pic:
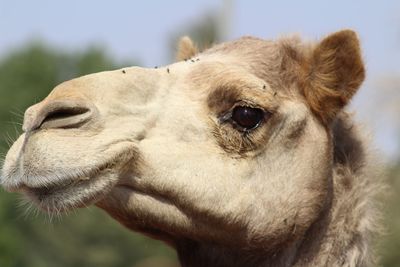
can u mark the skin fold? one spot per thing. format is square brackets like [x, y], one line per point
[173, 153]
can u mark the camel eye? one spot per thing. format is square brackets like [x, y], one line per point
[246, 117]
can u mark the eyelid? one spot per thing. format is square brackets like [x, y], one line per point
[227, 116]
[245, 103]
[251, 104]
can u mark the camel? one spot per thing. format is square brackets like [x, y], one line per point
[239, 155]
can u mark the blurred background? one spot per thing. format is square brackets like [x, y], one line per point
[43, 43]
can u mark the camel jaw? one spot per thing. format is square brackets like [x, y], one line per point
[69, 192]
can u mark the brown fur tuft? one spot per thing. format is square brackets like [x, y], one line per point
[334, 73]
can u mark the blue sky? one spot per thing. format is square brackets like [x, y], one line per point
[141, 30]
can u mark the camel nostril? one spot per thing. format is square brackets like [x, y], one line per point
[64, 113]
[57, 114]
[66, 117]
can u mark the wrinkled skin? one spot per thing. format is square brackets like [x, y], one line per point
[154, 148]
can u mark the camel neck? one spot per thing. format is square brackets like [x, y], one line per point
[334, 239]
[299, 253]
[195, 254]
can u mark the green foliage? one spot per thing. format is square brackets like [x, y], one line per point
[87, 237]
[204, 33]
[390, 247]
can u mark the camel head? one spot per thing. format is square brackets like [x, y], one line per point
[231, 146]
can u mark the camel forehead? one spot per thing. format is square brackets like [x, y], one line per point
[254, 50]
[274, 61]
[252, 55]
[241, 45]
[247, 55]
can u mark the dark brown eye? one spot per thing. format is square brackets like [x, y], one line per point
[246, 117]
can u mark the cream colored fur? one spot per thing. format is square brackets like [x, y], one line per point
[150, 148]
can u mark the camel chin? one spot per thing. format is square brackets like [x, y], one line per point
[76, 192]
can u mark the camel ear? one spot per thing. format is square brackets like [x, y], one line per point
[186, 49]
[334, 74]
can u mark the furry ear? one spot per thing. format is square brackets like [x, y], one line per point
[186, 49]
[334, 73]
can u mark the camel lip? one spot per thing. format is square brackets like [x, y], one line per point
[48, 190]
[53, 186]
[22, 187]
[56, 197]
[45, 196]
[62, 191]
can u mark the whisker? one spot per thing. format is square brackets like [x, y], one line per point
[17, 133]
[9, 140]
[14, 123]
[17, 113]
[36, 211]
[27, 207]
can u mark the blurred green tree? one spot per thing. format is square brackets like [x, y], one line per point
[87, 237]
[390, 243]
[208, 30]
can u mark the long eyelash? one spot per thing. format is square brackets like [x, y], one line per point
[225, 117]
